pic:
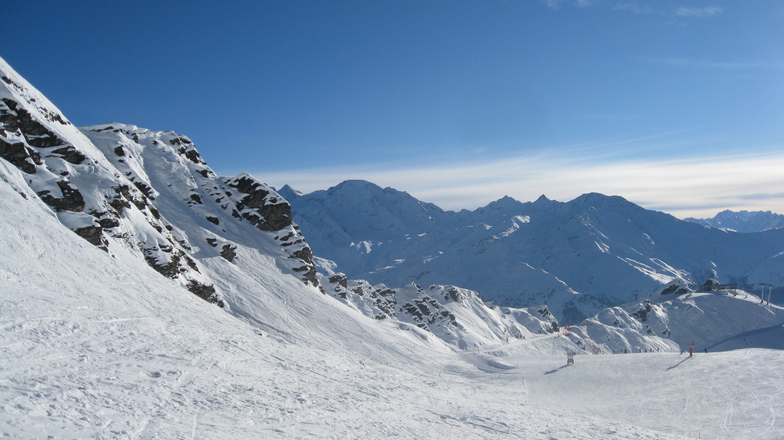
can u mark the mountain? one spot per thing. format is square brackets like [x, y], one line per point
[143, 296]
[149, 194]
[743, 221]
[577, 257]
[712, 317]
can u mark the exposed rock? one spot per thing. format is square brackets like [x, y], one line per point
[34, 132]
[70, 154]
[270, 214]
[205, 292]
[229, 252]
[339, 279]
[144, 188]
[72, 199]
[21, 156]
[642, 314]
[710, 285]
[677, 287]
[93, 234]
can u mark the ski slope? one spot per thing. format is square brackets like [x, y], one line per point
[728, 395]
[99, 347]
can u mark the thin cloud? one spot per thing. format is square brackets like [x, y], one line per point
[556, 4]
[709, 64]
[635, 8]
[706, 11]
[695, 187]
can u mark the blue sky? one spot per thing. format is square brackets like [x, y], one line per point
[676, 105]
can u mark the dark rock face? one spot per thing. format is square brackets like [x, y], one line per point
[29, 140]
[710, 285]
[93, 234]
[267, 215]
[453, 294]
[339, 279]
[70, 154]
[72, 199]
[205, 292]
[21, 156]
[642, 314]
[306, 255]
[34, 132]
[675, 288]
[229, 252]
[169, 268]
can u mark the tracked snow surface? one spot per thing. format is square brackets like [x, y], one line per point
[95, 346]
[145, 297]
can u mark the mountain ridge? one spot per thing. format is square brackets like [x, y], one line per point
[114, 235]
[149, 194]
[743, 221]
[578, 257]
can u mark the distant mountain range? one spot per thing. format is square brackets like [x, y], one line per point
[148, 195]
[577, 257]
[743, 221]
[114, 234]
[504, 272]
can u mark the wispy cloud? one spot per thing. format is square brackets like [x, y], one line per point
[705, 11]
[698, 187]
[709, 64]
[678, 16]
[635, 8]
[556, 4]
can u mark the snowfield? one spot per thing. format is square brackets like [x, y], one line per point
[144, 297]
[102, 347]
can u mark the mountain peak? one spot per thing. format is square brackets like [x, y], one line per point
[355, 185]
[289, 193]
[542, 199]
[743, 221]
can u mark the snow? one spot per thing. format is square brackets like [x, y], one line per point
[96, 344]
[743, 221]
[101, 347]
[604, 248]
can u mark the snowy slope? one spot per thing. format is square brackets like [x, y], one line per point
[743, 221]
[457, 316]
[89, 195]
[577, 257]
[101, 337]
[714, 320]
[227, 239]
[101, 346]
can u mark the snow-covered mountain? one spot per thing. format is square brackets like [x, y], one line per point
[110, 230]
[743, 221]
[101, 346]
[130, 190]
[711, 318]
[578, 257]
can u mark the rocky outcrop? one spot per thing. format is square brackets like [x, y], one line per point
[259, 206]
[455, 315]
[90, 196]
[250, 200]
